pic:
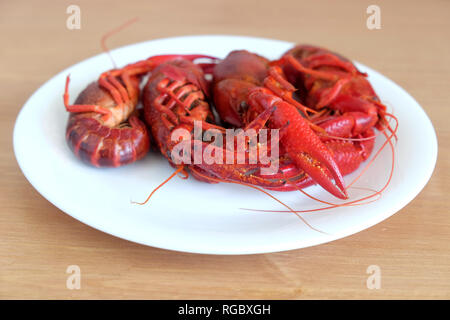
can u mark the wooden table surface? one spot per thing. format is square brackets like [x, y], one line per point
[38, 241]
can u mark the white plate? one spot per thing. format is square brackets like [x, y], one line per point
[191, 216]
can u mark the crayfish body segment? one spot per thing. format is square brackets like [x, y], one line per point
[252, 83]
[175, 97]
[104, 130]
[104, 127]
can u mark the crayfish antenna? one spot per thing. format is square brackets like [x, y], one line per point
[388, 140]
[112, 32]
[180, 169]
[360, 200]
[263, 191]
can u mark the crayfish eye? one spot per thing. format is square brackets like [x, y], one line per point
[243, 106]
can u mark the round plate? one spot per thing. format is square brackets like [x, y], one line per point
[191, 216]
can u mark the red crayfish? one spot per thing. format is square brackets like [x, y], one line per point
[104, 128]
[322, 105]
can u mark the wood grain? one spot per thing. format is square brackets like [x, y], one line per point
[38, 241]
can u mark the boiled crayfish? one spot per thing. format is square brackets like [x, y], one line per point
[323, 107]
[104, 127]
